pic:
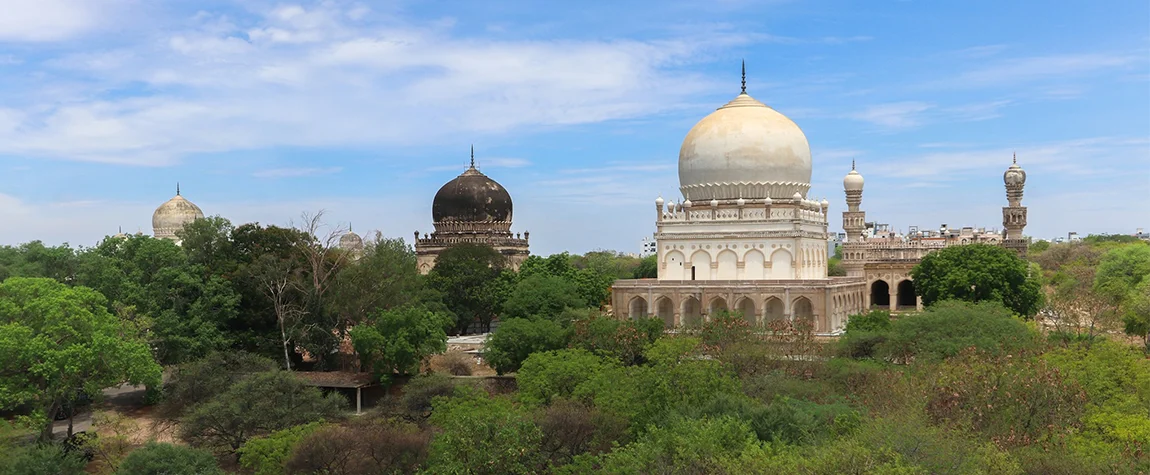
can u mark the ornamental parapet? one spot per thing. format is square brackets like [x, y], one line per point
[737, 285]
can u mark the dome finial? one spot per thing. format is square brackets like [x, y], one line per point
[744, 77]
[177, 188]
[852, 164]
[1016, 158]
[472, 155]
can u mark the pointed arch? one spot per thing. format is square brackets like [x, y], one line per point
[781, 264]
[880, 293]
[637, 308]
[675, 266]
[746, 306]
[753, 265]
[773, 309]
[717, 304]
[692, 312]
[665, 310]
[728, 265]
[803, 310]
[700, 266]
[906, 295]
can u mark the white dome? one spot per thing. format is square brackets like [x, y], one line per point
[853, 181]
[173, 215]
[744, 150]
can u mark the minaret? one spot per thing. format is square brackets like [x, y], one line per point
[1014, 214]
[854, 223]
[854, 219]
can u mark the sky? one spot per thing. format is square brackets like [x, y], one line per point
[264, 110]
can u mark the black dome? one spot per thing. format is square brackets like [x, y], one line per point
[471, 197]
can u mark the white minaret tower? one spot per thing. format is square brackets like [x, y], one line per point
[1014, 214]
[854, 224]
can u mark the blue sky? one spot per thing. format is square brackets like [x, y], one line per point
[264, 110]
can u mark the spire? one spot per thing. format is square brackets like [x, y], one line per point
[472, 155]
[744, 76]
[177, 188]
[120, 230]
[1016, 158]
[852, 164]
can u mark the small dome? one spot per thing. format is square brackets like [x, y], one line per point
[825, 203]
[173, 215]
[798, 197]
[741, 202]
[744, 149]
[472, 197]
[659, 201]
[853, 181]
[1014, 175]
[768, 201]
[351, 242]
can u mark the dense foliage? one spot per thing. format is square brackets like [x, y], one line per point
[163, 459]
[976, 273]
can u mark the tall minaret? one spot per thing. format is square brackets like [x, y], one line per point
[1014, 214]
[854, 223]
[854, 219]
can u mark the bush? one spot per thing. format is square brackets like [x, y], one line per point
[421, 390]
[517, 338]
[946, 329]
[259, 404]
[570, 429]
[625, 340]
[482, 435]
[556, 374]
[164, 459]
[268, 455]
[398, 340]
[457, 363]
[688, 446]
[367, 448]
[41, 459]
[541, 296]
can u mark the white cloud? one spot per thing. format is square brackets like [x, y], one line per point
[896, 115]
[1025, 69]
[52, 20]
[313, 77]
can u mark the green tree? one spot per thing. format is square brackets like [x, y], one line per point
[517, 338]
[208, 243]
[164, 459]
[625, 340]
[197, 382]
[399, 340]
[1121, 270]
[482, 435]
[57, 340]
[473, 283]
[976, 273]
[556, 374]
[648, 268]
[384, 277]
[1136, 313]
[256, 405]
[34, 259]
[41, 459]
[541, 296]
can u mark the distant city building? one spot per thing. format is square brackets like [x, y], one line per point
[648, 247]
[173, 215]
[1072, 237]
[1142, 234]
[833, 242]
[472, 209]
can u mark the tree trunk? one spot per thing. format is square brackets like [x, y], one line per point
[46, 433]
[283, 336]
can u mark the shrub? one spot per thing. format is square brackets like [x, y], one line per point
[163, 459]
[259, 404]
[683, 446]
[556, 374]
[1013, 399]
[398, 340]
[366, 448]
[482, 435]
[946, 329]
[457, 363]
[517, 338]
[625, 340]
[199, 381]
[421, 390]
[41, 459]
[268, 455]
[571, 428]
[541, 296]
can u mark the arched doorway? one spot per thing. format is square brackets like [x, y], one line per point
[665, 310]
[803, 311]
[746, 307]
[692, 312]
[772, 310]
[880, 294]
[638, 308]
[906, 297]
[718, 304]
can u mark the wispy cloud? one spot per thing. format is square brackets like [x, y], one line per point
[52, 20]
[1024, 69]
[296, 172]
[896, 115]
